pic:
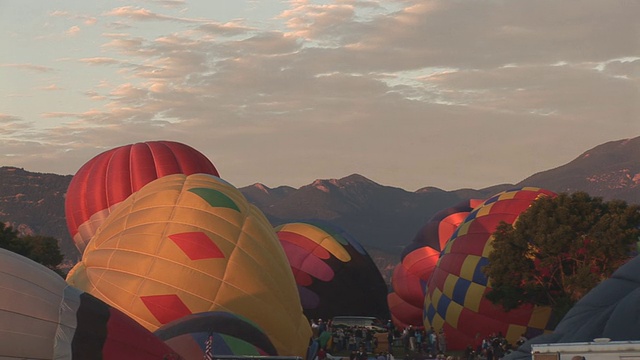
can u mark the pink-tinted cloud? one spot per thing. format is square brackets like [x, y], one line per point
[29, 67]
[72, 31]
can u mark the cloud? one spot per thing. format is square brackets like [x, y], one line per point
[59, 13]
[72, 31]
[627, 68]
[224, 29]
[485, 34]
[86, 19]
[11, 126]
[126, 45]
[29, 67]
[6, 118]
[170, 3]
[52, 87]
[99, 61]
[94, 95]
[141, 14]
[319, 22]
[505, 84]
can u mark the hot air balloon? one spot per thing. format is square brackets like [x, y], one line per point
[110, 177]
[231, 335]
[455, 295]
[334, 274]
[439, 228]
[409, 281]
[41, 317]
[419, 259]
[190, 244]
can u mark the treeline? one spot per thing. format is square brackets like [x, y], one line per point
[41, 249]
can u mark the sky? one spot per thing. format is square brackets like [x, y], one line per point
[408, 93]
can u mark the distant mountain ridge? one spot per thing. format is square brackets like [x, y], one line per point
[382, 218]
[610, 171]
[388, 217]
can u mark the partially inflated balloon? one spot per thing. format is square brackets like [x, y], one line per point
[409, 281]
[335, 275]
[230, 335]
[403, 313]
[419, 259]
[455, 297]
[189, 244]
[110, 177]
[42, 317]
[439, 228]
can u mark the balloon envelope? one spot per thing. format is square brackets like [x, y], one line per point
[334, 274]
[41, 317]
[110, 177]
[409, 281]
[455, 296]
[189, 244]
[439, 228]
[230, 335]
[419, 259]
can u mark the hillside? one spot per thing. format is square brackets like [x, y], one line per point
[33, 203]
[610, 171]
[383, 218]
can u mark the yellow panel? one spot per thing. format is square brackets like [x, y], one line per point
[488, 247]
[449, 285]
[320, 237]
[453, 314]
[435, 297]
[540, 317]
[473, 297]
[469, 267]
[122, 262]
[508, 195]
[193, 219]
[438, 322]
[489, 283]
[427, 301]
[463, 228]
[530, 188]
[77, 276]
[484, 210]
[514, 332]
[426, 322]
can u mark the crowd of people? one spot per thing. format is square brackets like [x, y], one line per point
[493, 347]
[433, 344]
[419, 341]
[359, 341]
[363, 343]
[343, 338]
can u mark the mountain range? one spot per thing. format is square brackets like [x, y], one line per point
[384, 219]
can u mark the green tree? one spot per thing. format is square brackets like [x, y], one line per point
[44, 250]
[41, 249]
[559, 249]
[9, 240]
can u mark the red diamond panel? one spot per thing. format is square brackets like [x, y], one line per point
[165, 308]
[197, 245]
